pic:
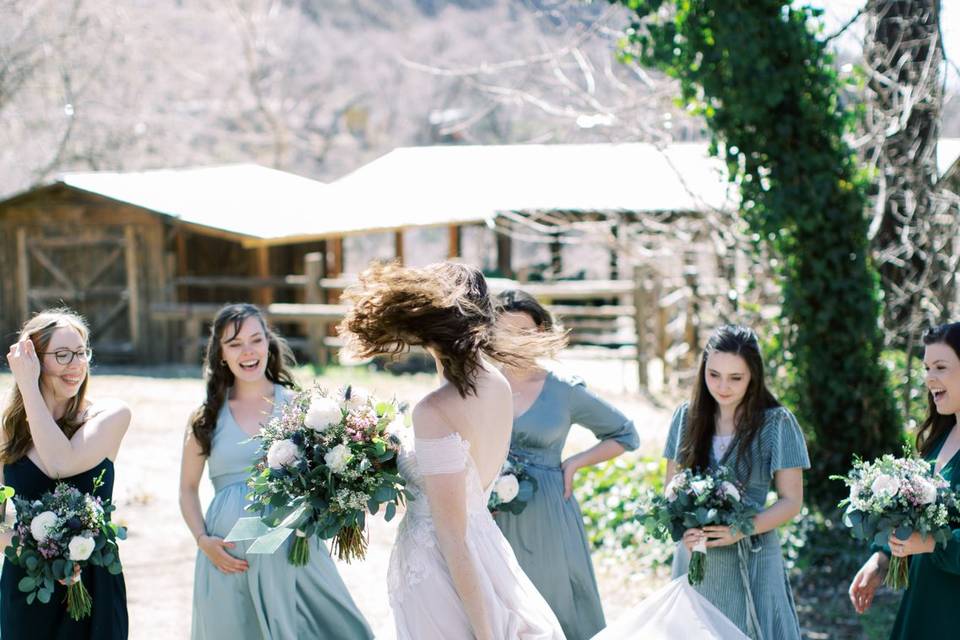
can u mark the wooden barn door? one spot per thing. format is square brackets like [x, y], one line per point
[93, 271]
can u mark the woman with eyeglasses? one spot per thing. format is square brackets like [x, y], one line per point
[52, 432]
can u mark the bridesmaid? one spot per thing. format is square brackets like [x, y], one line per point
[548, 536]
[53, 433]
[927, 605]
[733, 420]
[258, 596]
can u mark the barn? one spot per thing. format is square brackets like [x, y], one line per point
[146, 255]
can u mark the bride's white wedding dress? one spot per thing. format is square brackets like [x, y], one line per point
[424, 601]
[674, 612]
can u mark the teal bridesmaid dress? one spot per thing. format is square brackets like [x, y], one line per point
[548, 537]
[272, 599]
[747, 581]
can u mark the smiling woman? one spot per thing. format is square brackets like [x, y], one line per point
[53, 433]
[247, 368]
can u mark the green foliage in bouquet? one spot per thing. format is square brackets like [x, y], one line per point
[327, 461]
[898, 496]
[58, 535]
[514, 489]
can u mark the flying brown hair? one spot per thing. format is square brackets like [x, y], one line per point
[444, 306]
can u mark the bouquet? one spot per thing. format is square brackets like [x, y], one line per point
[326, 461]
[897, 496]
[693, 500]
[513, 489]
[56, 537]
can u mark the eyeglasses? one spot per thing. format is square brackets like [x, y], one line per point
[66, 356]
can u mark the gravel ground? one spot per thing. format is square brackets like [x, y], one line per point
[159, 554]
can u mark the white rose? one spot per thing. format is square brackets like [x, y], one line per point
[674, 486]
[731, 490]
[282, 452]
[41, 524]
[928, 491]
[700, 486]
[359, 397]
[338, 458]
[884, 485]
[80, 548]
[507, 487]
[322, 414]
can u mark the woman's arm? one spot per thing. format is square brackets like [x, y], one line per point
[99, 437]
[600, 452]
[191, 470]
[5, 536]
[444, 483]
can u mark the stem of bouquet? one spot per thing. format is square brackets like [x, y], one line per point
[300, 549]
[698, 564]
[79, 602]
[898, 573]
[351, 544]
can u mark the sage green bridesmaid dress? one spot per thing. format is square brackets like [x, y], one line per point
[548, 537]
[272, 599]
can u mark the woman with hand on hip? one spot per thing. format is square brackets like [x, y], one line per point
[52, 432]
[238, 596]
[548, 536]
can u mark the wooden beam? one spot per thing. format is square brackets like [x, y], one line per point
[23, 276]
[504, 255]
[317, 329]
[398, 245]
[453, 244]
[54, 270]
[335, 259]
[135, 318]
[263, 295]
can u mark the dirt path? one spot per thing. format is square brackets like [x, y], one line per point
[159, 555]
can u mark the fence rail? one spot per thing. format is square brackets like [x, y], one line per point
[644, 319]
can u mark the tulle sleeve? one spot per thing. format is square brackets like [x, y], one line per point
[441, 455]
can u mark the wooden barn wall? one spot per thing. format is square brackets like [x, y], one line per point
[96, 269]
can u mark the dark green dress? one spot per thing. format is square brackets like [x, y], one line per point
[38, 621]
[929, 605]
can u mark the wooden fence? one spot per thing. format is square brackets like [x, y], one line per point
[648, 318]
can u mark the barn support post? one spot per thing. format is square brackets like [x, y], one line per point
[643, 304]
[134, 304]
[453, 244]
[23, 276]
[398, 245]
[504, 254]
[316, 329]
[264, 295]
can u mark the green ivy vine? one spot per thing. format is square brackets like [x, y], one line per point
[760, 75]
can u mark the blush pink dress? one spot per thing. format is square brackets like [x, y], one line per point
[425, 603]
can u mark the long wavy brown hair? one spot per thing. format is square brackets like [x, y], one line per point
[16, 431]
[219, 377]
[935, 426]
[702, 411]
[444, 306]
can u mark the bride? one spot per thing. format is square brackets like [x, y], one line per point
[452, 575]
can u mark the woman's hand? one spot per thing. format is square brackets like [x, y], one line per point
[72, 579]
[693, 537]
[24, 363]
[569, 468]
[911, 546]
[867, 581]
[718, 536]
[216, 550]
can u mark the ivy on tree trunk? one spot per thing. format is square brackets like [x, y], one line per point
[763, 80]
